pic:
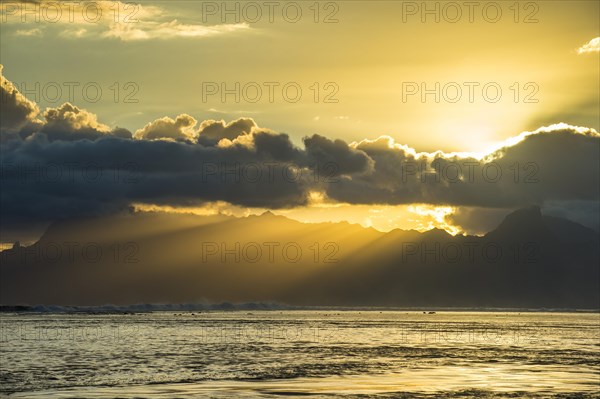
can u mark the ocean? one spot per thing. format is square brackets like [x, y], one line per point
[314, 353]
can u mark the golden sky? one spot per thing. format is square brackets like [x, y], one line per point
[490, 72]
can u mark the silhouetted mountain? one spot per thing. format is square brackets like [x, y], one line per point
[522, 224]
[529, 260]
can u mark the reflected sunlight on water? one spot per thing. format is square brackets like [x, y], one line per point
[282, 353]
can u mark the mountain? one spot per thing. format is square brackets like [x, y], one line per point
[522, 224]
[529, 260]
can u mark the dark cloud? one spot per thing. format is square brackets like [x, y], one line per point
[70, 165]
[44, 179]
[346, 160]
[556, 163]
[276, 146]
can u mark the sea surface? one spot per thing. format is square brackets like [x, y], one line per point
[288, 353]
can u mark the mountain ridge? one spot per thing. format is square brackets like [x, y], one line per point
[529, 260]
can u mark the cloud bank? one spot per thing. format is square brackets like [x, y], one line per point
[63, 163]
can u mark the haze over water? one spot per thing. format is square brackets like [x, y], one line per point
[324, 353]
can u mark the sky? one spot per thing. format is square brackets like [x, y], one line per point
[372, 88]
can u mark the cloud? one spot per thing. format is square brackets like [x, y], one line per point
[16, 111]
[182, 128]
[593, 46]
[278, 147]
[475, 220]
[35, 32]
[126, 21]
[168, 30]
[212, 131]
[83, 177]
[560, 162]
[68, 122]
[21, 117]
[65, 163]
[71, 33]
[335, 157]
